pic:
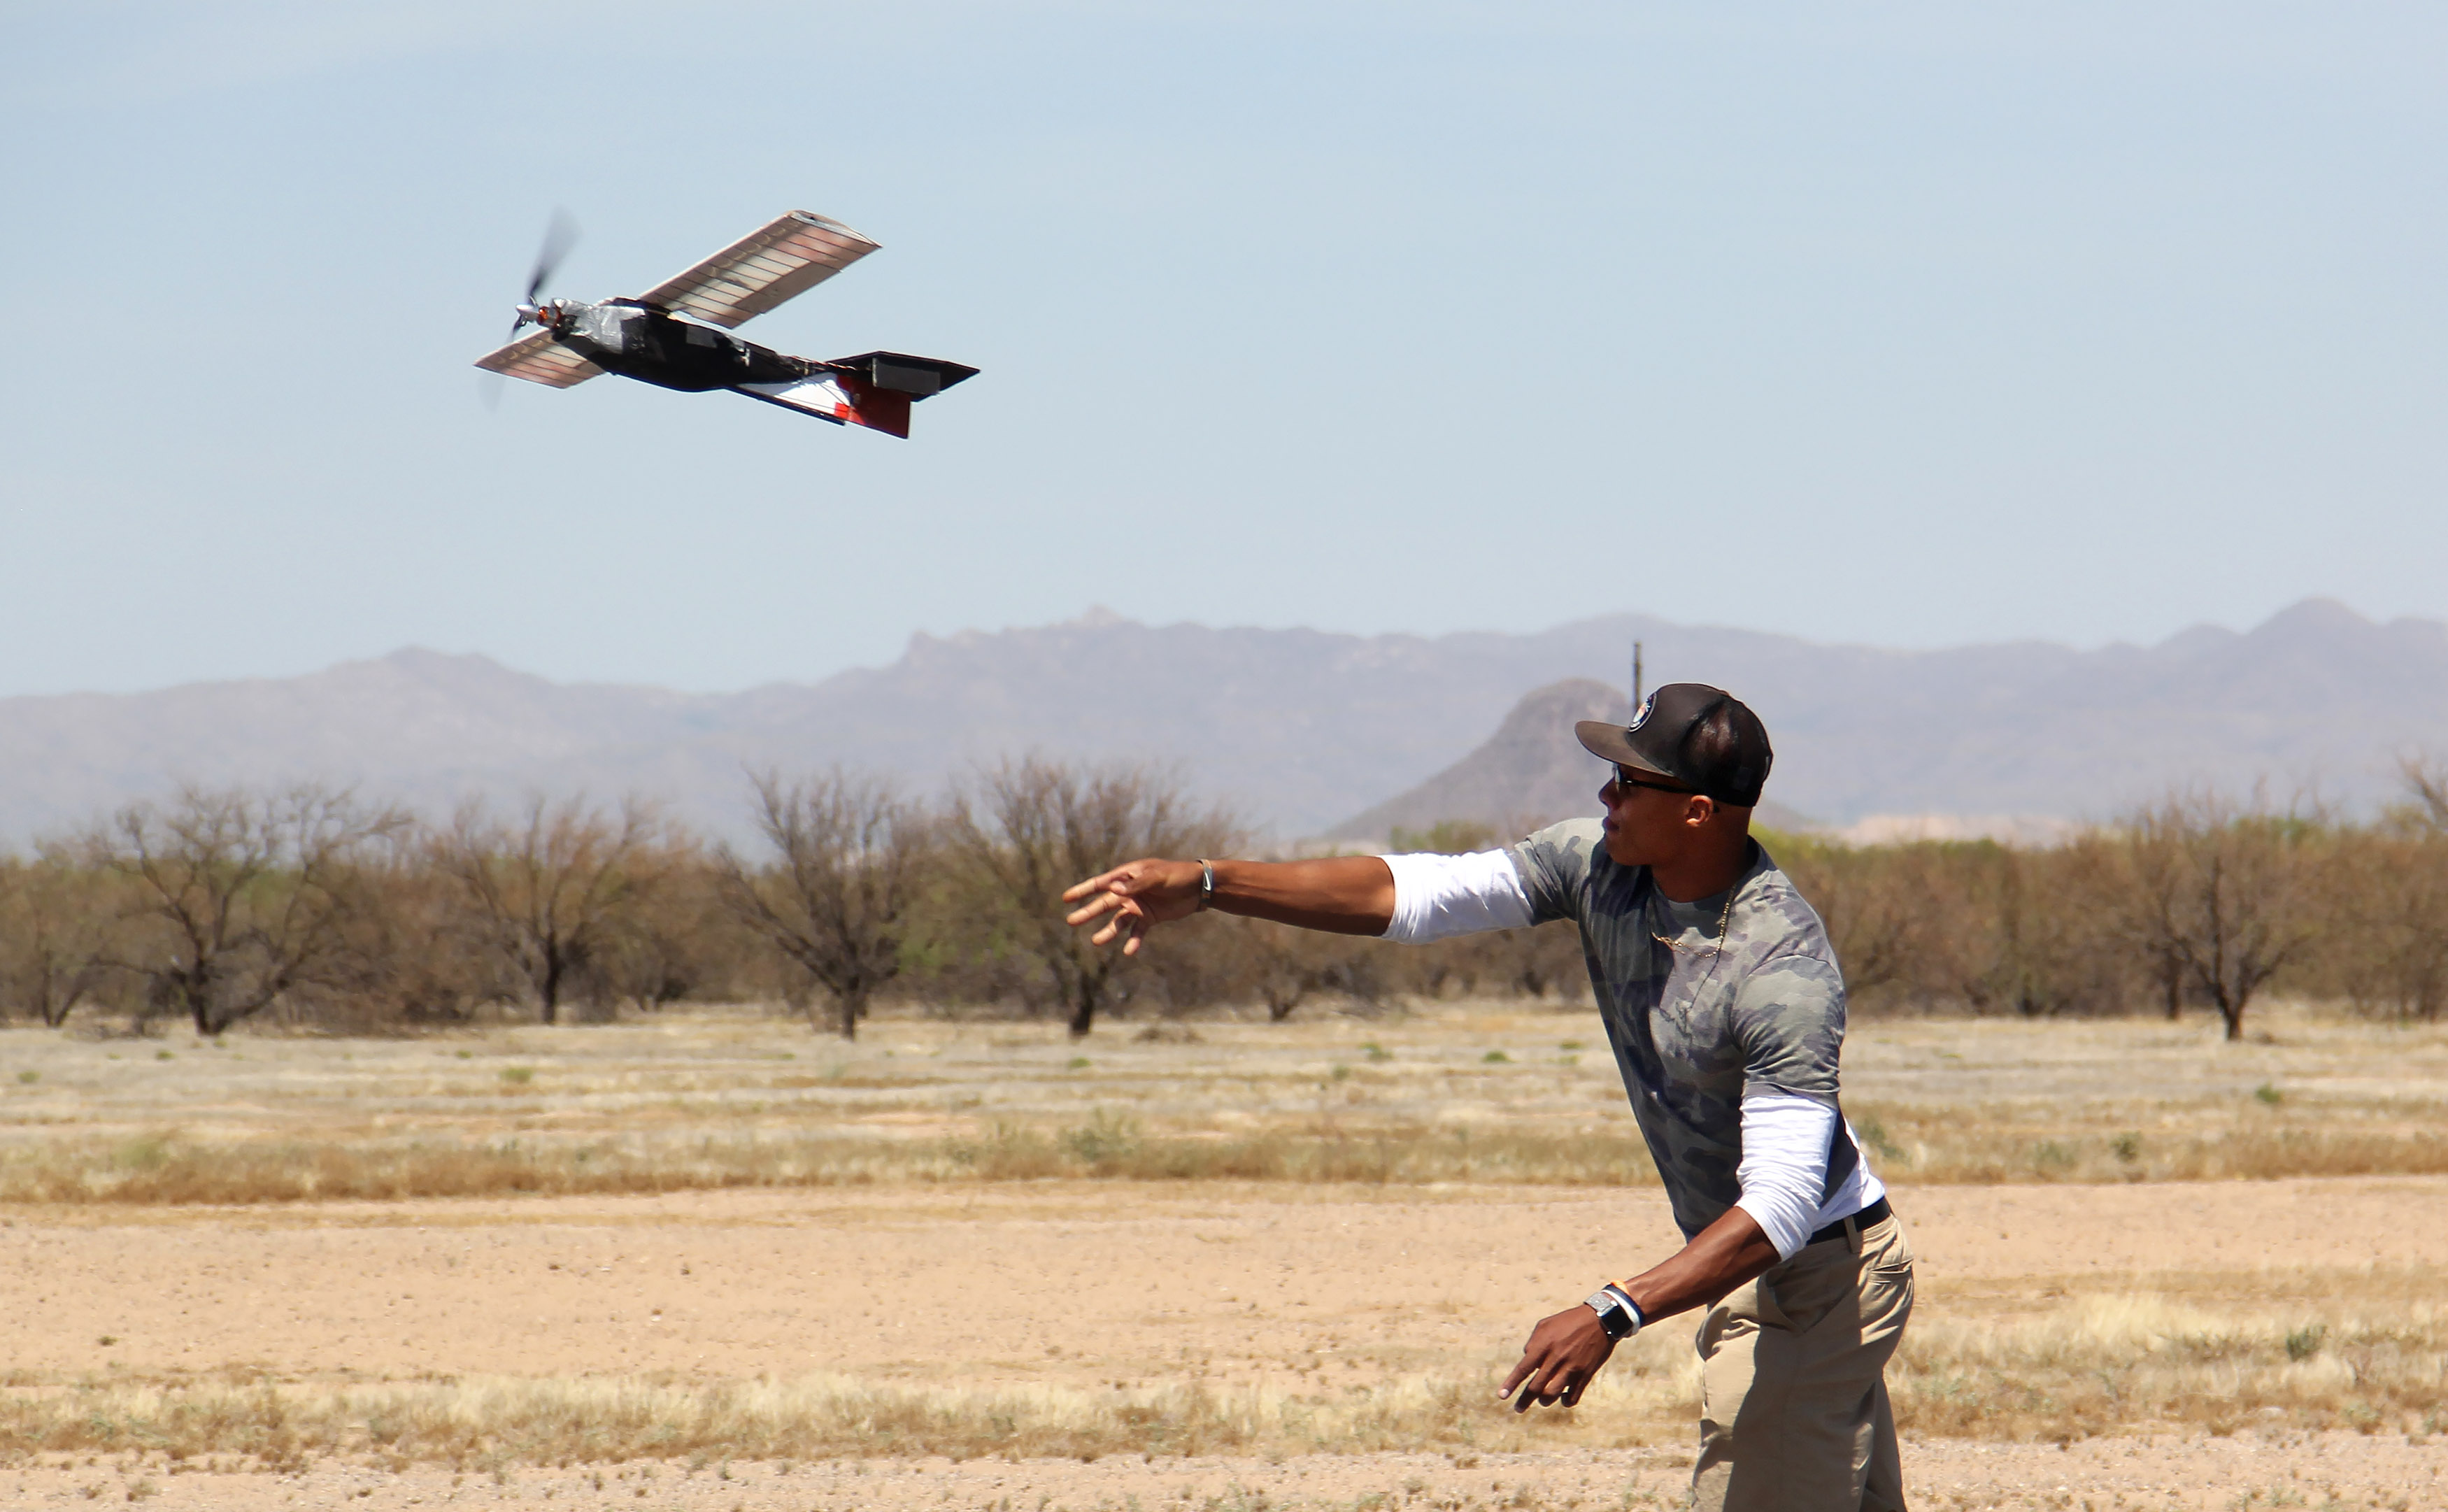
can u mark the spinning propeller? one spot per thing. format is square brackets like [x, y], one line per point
[560, 234]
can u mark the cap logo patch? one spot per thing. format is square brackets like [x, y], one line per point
[1640, 715]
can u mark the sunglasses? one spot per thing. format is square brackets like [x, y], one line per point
[1624, 778]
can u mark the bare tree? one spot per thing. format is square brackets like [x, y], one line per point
[246, 895]
[1033, 827]
[548, 887]
[1874, 921]
[2389, 897]
[1285, 966]
[679, 940]
[851, 857]
[56, 919]
[415, 956]
[2222, 894]
[2426, 784]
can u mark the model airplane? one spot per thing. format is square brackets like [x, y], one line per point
[645, 338]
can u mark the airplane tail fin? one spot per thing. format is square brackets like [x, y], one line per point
[839, 397]
[874, 389]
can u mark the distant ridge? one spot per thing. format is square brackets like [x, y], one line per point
[1531, 773]
[1301, 729]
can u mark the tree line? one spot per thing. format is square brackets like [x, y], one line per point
[2198, 902]
[306, 905]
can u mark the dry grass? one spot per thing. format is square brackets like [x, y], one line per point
[165, 1170]
[483, 1423]
[1524, 1097]
[2365, 1356]
[2367, 1351]
[169, 1170]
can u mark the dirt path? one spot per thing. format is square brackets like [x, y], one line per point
[1079, 1283]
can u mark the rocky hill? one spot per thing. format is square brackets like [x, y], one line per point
[1530, 773]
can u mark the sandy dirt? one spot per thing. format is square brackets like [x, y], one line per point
[1079, 1282]
[1082, 1284]
[2332, 1472]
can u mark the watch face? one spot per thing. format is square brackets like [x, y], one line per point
[1614, 1315]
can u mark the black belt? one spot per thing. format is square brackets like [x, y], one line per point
[1875, 1213]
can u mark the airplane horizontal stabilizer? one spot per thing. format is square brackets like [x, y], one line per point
[839, 397]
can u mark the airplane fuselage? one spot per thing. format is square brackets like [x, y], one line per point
[626, 338]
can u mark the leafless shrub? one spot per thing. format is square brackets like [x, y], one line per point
[1028, 828]
[1949, 924]
[679, 941]
[2223, 893]
[850, 856]
[2386, 946]
[407, 958]
[1283, 968]
[549, 888]
[57, 922]
[2426, 786]
[239, 898]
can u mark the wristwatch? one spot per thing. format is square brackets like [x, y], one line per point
[1618, 1314]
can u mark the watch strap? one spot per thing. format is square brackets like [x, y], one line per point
[1618, 1312]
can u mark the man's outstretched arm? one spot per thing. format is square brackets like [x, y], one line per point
[1345, 894]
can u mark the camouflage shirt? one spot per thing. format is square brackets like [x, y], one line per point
[1705, 1002]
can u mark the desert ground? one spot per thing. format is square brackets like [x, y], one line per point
[713, 1259]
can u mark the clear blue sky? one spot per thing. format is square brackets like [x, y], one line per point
[1909, 324]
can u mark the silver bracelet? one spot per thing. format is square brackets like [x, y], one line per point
[1206, 885]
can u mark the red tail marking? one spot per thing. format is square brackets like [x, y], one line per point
[884, 409]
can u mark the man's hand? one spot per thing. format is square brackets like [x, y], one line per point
[1563, 1356]
[1134, 896]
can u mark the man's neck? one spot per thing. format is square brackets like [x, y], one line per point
[1688, 879]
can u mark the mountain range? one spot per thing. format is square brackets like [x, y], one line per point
[1303, 731]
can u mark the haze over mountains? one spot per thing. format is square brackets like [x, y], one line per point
[1303, 730]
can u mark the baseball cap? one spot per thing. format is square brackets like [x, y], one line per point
[1690, 733]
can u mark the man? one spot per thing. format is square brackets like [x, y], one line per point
[1726, 1010]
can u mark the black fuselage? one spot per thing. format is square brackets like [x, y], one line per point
[636, 342]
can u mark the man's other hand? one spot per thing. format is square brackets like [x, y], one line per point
[1134, 896]
[1561, 1358]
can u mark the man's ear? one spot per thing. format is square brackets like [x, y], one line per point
[1698, 809]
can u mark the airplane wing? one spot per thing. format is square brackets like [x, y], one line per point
[539, 359]
[781, 261]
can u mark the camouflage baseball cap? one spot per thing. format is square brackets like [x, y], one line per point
[1701, 737]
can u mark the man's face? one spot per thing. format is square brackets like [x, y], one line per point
[1645, 825]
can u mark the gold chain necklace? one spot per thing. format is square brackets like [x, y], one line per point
[1725, 916]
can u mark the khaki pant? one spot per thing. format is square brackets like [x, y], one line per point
[1793, 1394]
